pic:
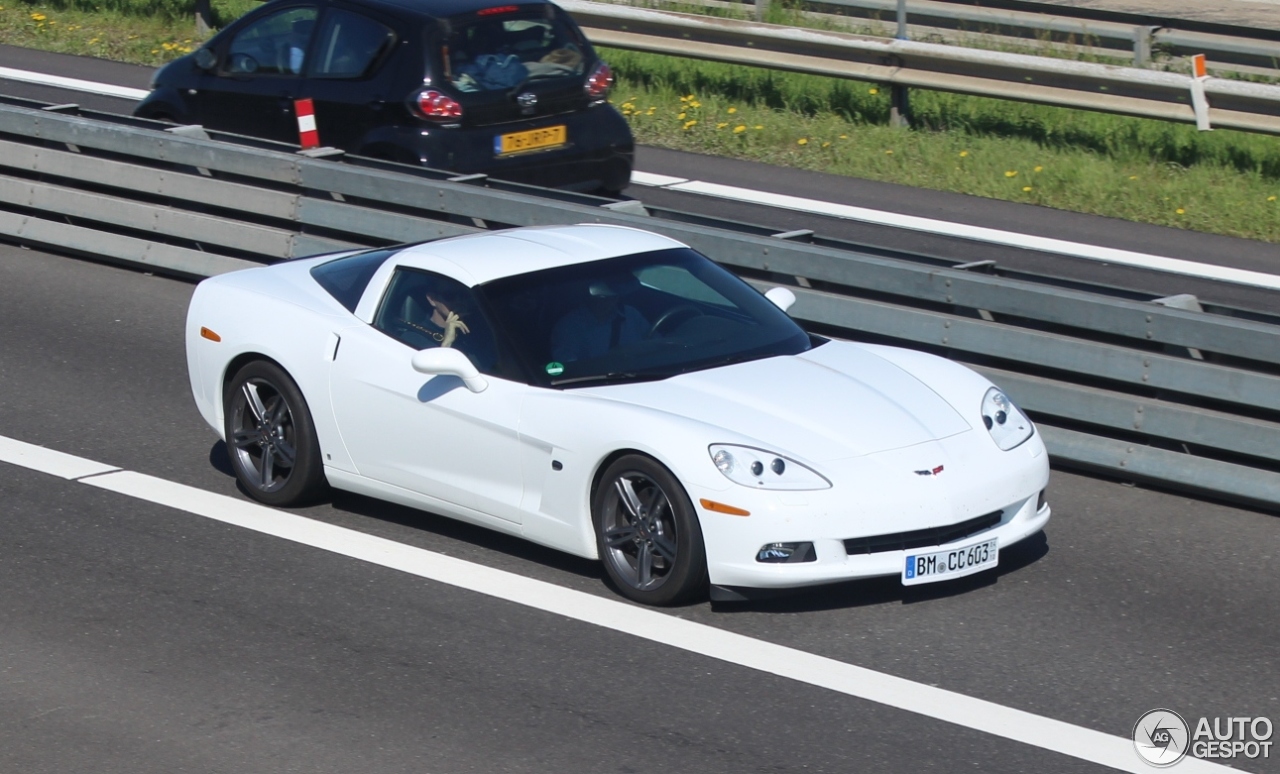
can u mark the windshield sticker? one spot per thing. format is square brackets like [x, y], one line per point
[554, 368]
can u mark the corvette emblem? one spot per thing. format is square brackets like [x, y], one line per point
[933, 472]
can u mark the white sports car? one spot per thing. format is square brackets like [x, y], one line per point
[612, 393]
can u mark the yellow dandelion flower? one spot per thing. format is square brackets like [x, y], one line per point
[873, 91]
[802, 141]
[681, 117]
[38, 17]
[731, 111]
[690, 124]
[649, 112]
[826, 145]
[684, 99]
[689, 98]
[1180, 211]
[1133, 177]
[695, 104]
[1011, 173]
[1038, 169]
[155, 50]
[739, 129]
[759, 126]
[844, 136]
[722, 124]
[888, 153]
[1026, 189]
[964, 154]
[91, 40]
[1271, 198]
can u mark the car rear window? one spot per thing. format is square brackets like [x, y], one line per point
[346, 278]
[507, 47]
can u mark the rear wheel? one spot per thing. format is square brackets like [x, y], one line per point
[647, 533]
[270, 437]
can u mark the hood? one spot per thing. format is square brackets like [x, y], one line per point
[832, 402]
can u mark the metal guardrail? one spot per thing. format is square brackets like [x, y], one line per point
[1139, 389]
[1132, 35]
[1206, 101]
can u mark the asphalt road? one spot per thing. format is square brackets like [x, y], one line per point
[137, 638]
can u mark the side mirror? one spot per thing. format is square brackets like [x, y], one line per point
[205, 59]
[781, 298]
[444, 361]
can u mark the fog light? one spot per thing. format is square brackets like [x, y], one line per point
[786, 553]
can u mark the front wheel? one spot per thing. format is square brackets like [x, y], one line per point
[270, 437]
[648, 534]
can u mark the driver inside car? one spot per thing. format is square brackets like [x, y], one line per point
[604, 321]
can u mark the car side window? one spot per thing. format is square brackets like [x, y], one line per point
[348, 45]
[423, 310]
[274, 45]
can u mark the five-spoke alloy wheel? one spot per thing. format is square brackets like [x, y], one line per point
[270, 438]
[647, 533]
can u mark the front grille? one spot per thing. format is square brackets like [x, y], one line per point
[921, 538]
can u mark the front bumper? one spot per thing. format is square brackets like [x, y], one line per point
[867, 500]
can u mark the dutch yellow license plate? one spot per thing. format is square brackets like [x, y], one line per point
[534, 139]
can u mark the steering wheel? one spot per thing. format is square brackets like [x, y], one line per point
[678, 312]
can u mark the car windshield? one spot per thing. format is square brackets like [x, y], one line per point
[636, 318]
[507, 47]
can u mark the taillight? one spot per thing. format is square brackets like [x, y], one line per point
[599, 82]
[434, 106]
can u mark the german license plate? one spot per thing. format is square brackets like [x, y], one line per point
[533, 139]
[950, 563]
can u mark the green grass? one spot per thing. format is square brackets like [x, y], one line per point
[1150, 171]
[1223, 182]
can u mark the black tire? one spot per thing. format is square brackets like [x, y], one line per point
[270, 437]
[647, 533]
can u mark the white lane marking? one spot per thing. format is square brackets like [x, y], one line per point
[49, 461]
[75, 84]
[656, 180]
[849, 212]
[859, 682]
[983, 234]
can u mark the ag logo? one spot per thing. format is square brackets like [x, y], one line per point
[1161, 737]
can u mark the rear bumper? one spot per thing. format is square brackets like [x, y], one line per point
[600, 151]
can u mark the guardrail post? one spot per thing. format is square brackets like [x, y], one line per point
[899, 106]
[902, 19]
[204, 18]
[762, 10]
[1142, 45]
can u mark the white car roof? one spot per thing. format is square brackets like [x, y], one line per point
[477, 258]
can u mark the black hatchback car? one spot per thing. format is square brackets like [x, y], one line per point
[513, 91]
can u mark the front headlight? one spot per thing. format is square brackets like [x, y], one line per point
[1008, 426]
[760, 469]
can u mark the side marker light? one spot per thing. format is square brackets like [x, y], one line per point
[712, 505]
[210, 335]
